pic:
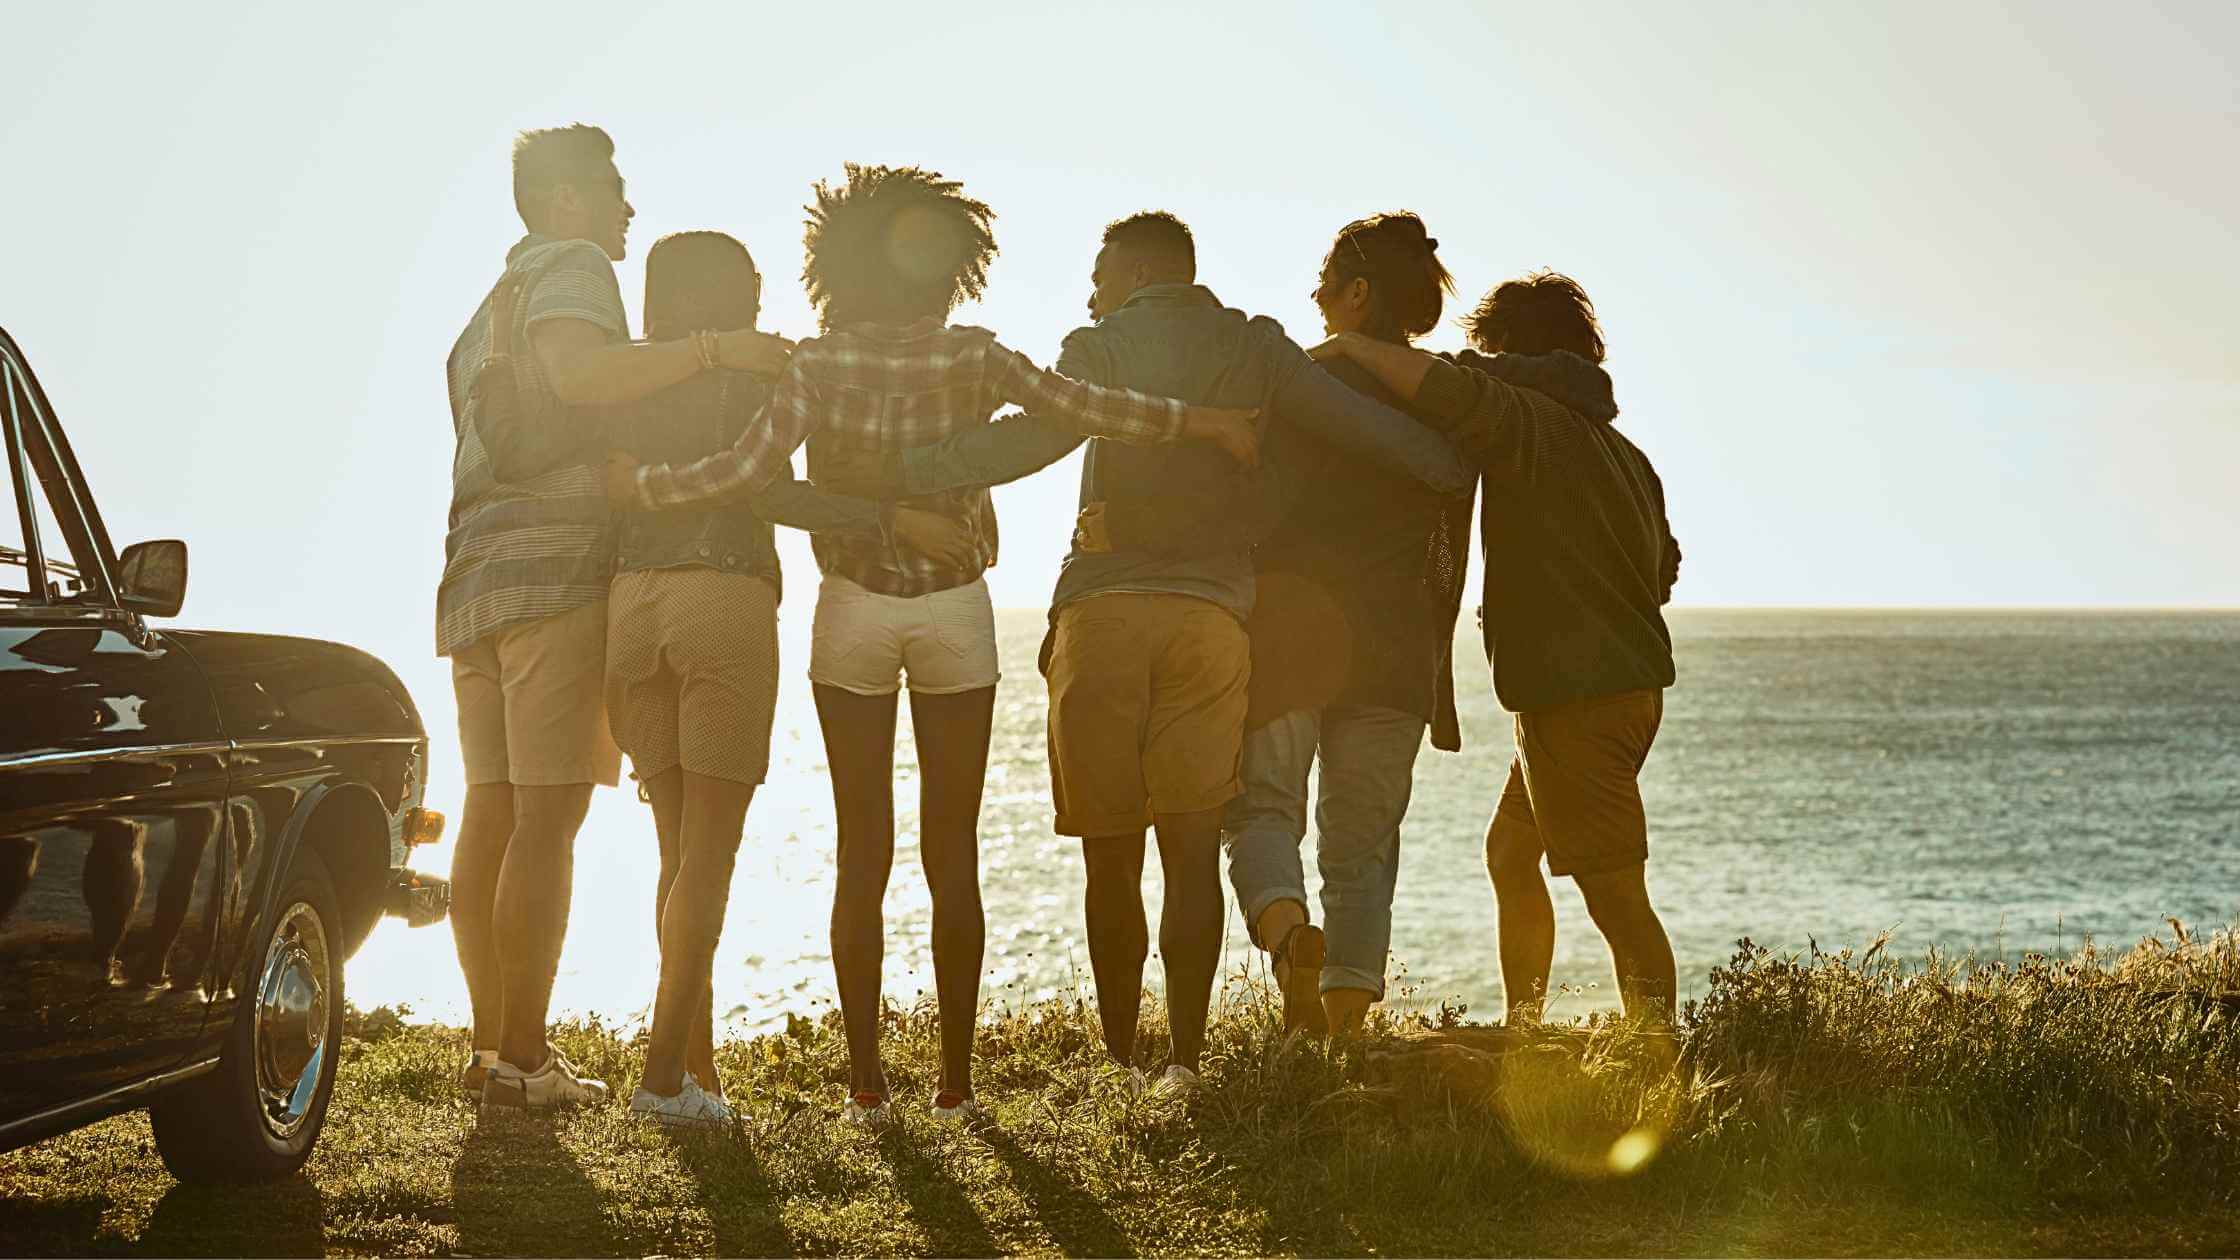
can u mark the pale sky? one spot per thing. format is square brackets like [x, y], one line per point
[1910, 304]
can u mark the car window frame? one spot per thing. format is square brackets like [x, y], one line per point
[19, 474]
[31, 432]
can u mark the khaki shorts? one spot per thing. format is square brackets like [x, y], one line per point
[1575, 790]
[1147, 701]
[529, 709]
[692, 671]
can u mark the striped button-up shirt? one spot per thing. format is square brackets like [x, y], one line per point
[872, 389]
[522, 551]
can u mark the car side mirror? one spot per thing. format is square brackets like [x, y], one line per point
[154, 577]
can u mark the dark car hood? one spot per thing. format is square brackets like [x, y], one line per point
[277, 687]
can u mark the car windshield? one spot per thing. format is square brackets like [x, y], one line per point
[16, 563]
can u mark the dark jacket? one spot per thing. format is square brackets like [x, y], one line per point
[1179, 341]
[1579, 556]
[1391, 554]
[690, 419]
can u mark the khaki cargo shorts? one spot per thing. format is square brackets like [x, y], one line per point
[529, 706]
[1575, 786]
[692, 671]
[1147, 701]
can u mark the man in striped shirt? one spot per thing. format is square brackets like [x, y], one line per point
[521, 609]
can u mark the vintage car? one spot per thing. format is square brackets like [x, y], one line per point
[196, 830]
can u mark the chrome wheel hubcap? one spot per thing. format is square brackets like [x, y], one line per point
[291, 1020]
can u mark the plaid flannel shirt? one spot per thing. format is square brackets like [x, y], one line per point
[872, 389]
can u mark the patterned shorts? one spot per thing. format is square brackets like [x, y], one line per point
[692, 671]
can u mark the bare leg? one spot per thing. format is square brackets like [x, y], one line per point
[1347, 1009]
[952, 734]
[1119, 940]
[667, 792]
[700, 1055]
[715, 814]
[859, 748]
[1276, 923]
[485, 825]
[1640, 952]
[1303, 1004]
[1527, 916]
[1190, 925]
[530, 914]
[1527, 928]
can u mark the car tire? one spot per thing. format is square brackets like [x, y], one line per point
[256, 1116]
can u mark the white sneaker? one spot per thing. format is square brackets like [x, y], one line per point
[868, 1110]
[964, 1112]
[476, 1072]
[1176, 1082]
[1137, 1084]
[556, 1084]
[691, 1107]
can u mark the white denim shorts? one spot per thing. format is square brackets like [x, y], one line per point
[867, 643]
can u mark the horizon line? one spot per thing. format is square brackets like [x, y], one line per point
[1889, 608]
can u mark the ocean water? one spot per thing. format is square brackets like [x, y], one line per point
[1986, 781]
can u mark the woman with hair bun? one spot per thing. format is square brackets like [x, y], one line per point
[1359, 586]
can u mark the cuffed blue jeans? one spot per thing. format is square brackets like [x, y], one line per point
[1368, 758]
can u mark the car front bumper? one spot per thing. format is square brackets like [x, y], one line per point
[419, 899]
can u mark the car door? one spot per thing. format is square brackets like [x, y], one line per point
[112, 799]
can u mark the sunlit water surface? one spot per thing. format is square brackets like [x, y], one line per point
[1977, 781]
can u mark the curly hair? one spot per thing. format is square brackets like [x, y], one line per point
[1408, 285]
[1536, 314]
[893, 244]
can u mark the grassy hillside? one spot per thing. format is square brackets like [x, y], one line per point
[1826, 1104]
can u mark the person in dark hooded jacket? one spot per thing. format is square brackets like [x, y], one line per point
[1579, 562]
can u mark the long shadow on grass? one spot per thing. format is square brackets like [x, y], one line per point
[938, 1204]
[737, 1194]
[283, 1219]
[518, 1192]
[53, 1227]
[1077, 1222]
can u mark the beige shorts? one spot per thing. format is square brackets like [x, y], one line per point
[692, 671]
[867, 643]
[1147, 703]
[529, 707]
[1574, 790]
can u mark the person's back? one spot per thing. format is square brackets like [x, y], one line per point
[1388, 551]
[525, 540]
[1576, 544]
[885, 387]
[683, 422]
[1176, 340]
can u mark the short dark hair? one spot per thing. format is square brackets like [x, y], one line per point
[1408, 285]
[1159, 235]
[548, 157]
[697, 280]
[1537, 314]
[893, 244]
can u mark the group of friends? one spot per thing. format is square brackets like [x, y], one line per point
[1265, 576]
